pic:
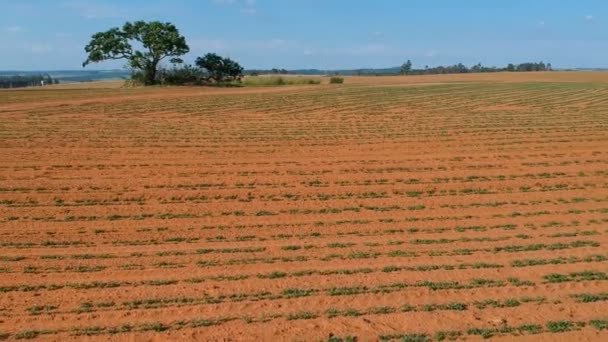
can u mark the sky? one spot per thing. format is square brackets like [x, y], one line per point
[323, 34]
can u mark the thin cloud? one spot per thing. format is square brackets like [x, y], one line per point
[249, 11]
[247, 7]
[38, 48]
[63, 35]
[14, 29]
[94, 10]
[206, 45]
[589, 17]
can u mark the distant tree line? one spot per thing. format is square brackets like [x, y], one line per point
[26, 81]
[406, 68]
[273, 71]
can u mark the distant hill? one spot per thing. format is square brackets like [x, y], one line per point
[346, 72]
[70, 76]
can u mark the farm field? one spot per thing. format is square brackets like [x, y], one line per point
[391, 208]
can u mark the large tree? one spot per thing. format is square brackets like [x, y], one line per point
[220, 69]
[406, 67]
[159, 40]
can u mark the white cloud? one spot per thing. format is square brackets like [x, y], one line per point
[63, 35]
[93, 10]
[541, 23]
[206, 45]
[249, 11]
[203, 45]
[431, 53]
[371, 49]
[38, 48]
[589, 17]
[14, 29]
[245, 6]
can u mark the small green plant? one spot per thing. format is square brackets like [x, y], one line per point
[158, 327]
[599, 324]
[530, 328]
[300, 315]
[560, 326]
[336, 80]
[447, 335]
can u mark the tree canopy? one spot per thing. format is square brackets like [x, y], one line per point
[220, 69]
[406, 67]
[159, 40]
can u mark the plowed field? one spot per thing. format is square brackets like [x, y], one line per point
[432, 211]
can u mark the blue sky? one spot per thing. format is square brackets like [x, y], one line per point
[325, 34]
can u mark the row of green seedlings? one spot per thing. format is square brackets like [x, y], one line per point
[587, 275]
[201, 198]
[280, 274]
[64, 244]
[504, 330]
[551, 326]
[16, 258]
[439, 180]
[295, 211]
[342, 291]
[306, 247]
[181, 239]
[382, 232]
[219, 238]
[400, 253]
[296, 247]
[368, 182]
[377, 232]
[474, 283]
[351, 256]
[330, 313]
[435, 192]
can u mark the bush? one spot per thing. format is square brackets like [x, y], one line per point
[336, 80]
[184, 75]
[261, 81]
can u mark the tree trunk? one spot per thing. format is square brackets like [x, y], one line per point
[151, 75]
[150, 71]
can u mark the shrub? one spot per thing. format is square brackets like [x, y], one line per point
[261, 81]
[559, 326]
[336, 80]
[184, 75]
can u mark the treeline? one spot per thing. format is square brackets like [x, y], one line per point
[406, 68]
[27, 81]
[273, 71]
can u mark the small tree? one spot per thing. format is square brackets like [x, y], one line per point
[406, 67]
[220, 69]
[159, 40]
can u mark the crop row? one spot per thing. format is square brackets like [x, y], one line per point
[550, 326]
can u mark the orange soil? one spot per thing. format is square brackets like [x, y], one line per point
[213, 190]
